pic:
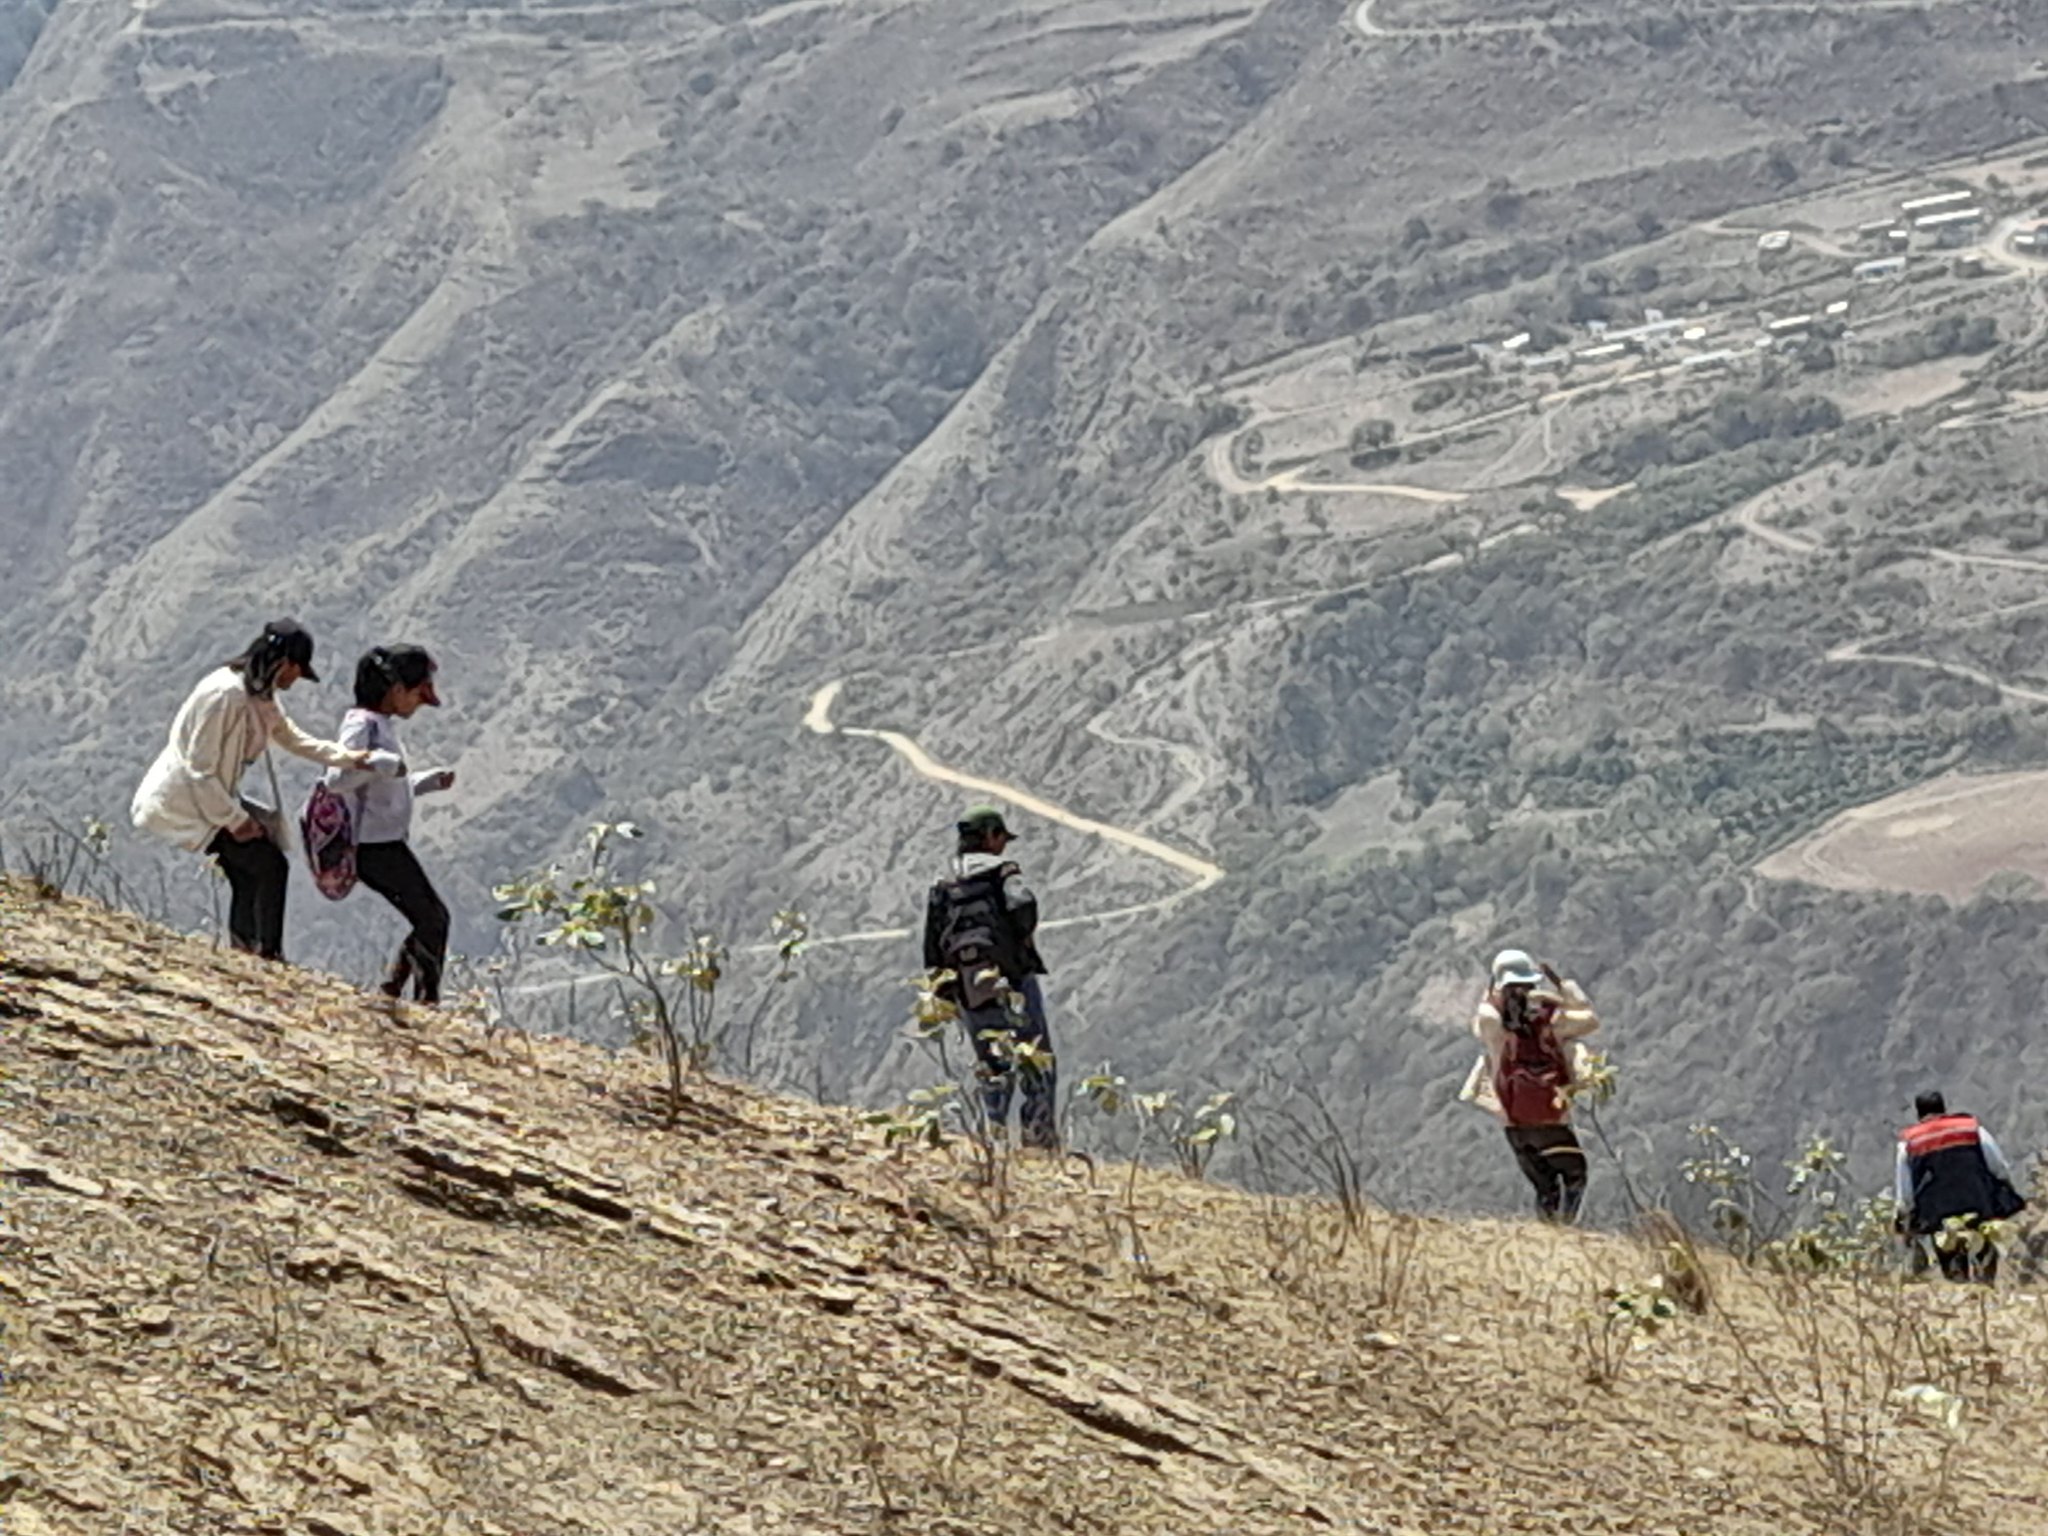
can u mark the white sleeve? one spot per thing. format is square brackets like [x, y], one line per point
[1902, 1181]
[1994, 1159]
[1576, 1019]
[1490, 1032]
[295, 741]
[204, 772]
[355, 735]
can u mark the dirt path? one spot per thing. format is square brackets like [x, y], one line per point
[1223, 469]
[1749, 520]
[1202, 873]
[1368, 26]
[1854, 652]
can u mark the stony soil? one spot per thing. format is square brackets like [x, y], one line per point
[276, 1260]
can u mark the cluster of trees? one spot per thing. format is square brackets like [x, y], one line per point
[1950, 335]
[1736, 420]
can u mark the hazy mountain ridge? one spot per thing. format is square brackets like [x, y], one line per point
[659, 366]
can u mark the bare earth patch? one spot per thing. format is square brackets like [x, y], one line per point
[1944, 838]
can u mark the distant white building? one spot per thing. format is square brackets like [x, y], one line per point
[1952, 227]
[1654, 335]
[1774, 241]
[1503, 356]
[1935, 202]
[1882, 270]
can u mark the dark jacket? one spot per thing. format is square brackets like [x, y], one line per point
[1944, 1172]
[985, 896]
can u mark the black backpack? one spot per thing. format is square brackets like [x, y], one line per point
[976, 939]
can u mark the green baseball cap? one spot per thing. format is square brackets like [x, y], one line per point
[984, 821]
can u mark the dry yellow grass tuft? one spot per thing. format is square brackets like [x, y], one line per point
[279, 1261]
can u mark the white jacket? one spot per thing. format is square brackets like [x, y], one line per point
[192, 790]
[1575, 1020]
[380, 796]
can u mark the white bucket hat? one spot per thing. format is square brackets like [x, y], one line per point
[1514, 968]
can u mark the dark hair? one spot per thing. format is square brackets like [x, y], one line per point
[1929, 1104]
[388, 667]
[282, 640]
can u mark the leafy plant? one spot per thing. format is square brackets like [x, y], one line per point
[920, 1122]
[1627, 1318]
[1191, 1134]
[670, 1005]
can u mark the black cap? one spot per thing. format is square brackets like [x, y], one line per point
[288, 640]
[984, 821]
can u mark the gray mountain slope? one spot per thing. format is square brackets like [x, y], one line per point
[659, 366]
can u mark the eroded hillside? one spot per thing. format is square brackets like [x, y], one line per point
[277, 1261]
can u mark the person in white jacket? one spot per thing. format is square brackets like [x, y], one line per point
[394, 683]
[1531, 1023]
[191, 795]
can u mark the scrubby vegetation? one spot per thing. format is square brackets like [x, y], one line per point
[353, 1266]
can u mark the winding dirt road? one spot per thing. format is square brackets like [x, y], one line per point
[1363, 20]
[1749, 520]
[1202, 873]
[1223, 469]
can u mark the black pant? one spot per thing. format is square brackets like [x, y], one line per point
[392, 872]
[257, 878]
[996, 1029]
[1554, 1163]
[1957, 1262]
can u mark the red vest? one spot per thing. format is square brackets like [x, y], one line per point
[1946, 1171]
[1941, 1134]
[1535, 1070]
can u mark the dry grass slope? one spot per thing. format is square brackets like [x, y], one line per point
[278, 1261]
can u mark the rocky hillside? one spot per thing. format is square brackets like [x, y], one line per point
[277, 1261]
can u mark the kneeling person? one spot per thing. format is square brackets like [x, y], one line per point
[1950, 1169]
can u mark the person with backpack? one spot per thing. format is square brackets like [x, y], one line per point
[1530, 1023]
[192, 797]
[980, 926]
[392, 683]
[1948, 1168]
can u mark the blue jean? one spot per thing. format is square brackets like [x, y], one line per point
[1001, 1077]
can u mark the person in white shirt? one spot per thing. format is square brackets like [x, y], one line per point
[191, 795]
[392, 684]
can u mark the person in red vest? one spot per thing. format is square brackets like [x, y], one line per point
[1529, 1023]
[1948, 1167]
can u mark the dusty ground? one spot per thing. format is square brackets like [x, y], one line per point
[277, 1261]
[1940, 839]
